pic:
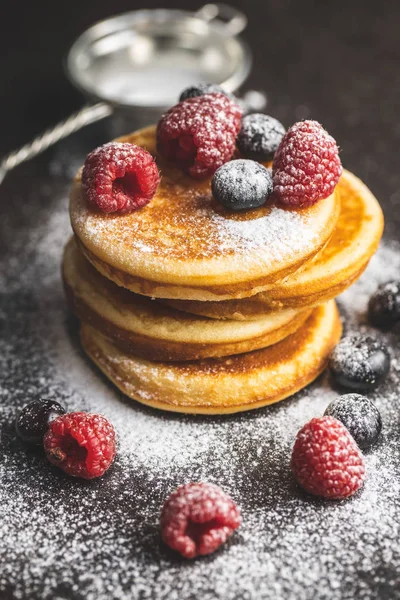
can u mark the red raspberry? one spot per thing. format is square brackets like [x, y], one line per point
[119, 177]
[199, 134]
[81, 444]
[197, 518]
[306, 166]
[326, 460]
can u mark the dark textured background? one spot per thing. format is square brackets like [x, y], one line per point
[337, 62]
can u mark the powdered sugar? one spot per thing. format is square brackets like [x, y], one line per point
[266, 240]
[285, 232]
[64, 538]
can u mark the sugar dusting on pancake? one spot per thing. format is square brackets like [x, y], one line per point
[273, 231]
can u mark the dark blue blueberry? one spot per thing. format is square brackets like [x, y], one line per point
[241, 184]
[359, 415]
[204, 88]
[33, 420]
[384, 305]
[359, 363]
[259, 137]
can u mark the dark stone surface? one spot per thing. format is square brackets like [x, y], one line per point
[337, 62]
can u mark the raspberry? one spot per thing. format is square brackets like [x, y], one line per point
[306, 166]
[197, 518]
[199, 134]
[119, 177]
[326, 460]
[81, 444]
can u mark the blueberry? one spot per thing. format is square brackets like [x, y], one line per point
[384, 305]
[241, 184]
[204, 88]
[259, 137]
[359, 415]
[33, 420]
[359, 363]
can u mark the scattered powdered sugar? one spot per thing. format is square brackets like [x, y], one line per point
[64, 538]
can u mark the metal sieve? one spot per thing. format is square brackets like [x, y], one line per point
[134, 65]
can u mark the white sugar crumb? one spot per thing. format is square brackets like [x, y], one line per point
[64, 538]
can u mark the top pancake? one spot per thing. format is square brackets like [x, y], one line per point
[184, 245]
[334, 269]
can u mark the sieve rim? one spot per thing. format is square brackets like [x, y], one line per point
[128, 19]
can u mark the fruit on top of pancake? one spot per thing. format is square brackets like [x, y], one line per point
[199, 134]
[360, 417]
[326, 460]
[259, 137]
[306, 166]
[33, 420]
[200, 89]
[384, 305]
[198, 518]
[242, 184]
[119, 177]
[81, 444]
[359, 362]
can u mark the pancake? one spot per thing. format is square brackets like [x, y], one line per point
[183, 245]
[224, 385]
[139, 325]
[334, 269]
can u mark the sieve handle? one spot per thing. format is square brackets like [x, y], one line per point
[234, 20]
[84, 116]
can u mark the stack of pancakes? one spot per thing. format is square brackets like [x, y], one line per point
[189, 307]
